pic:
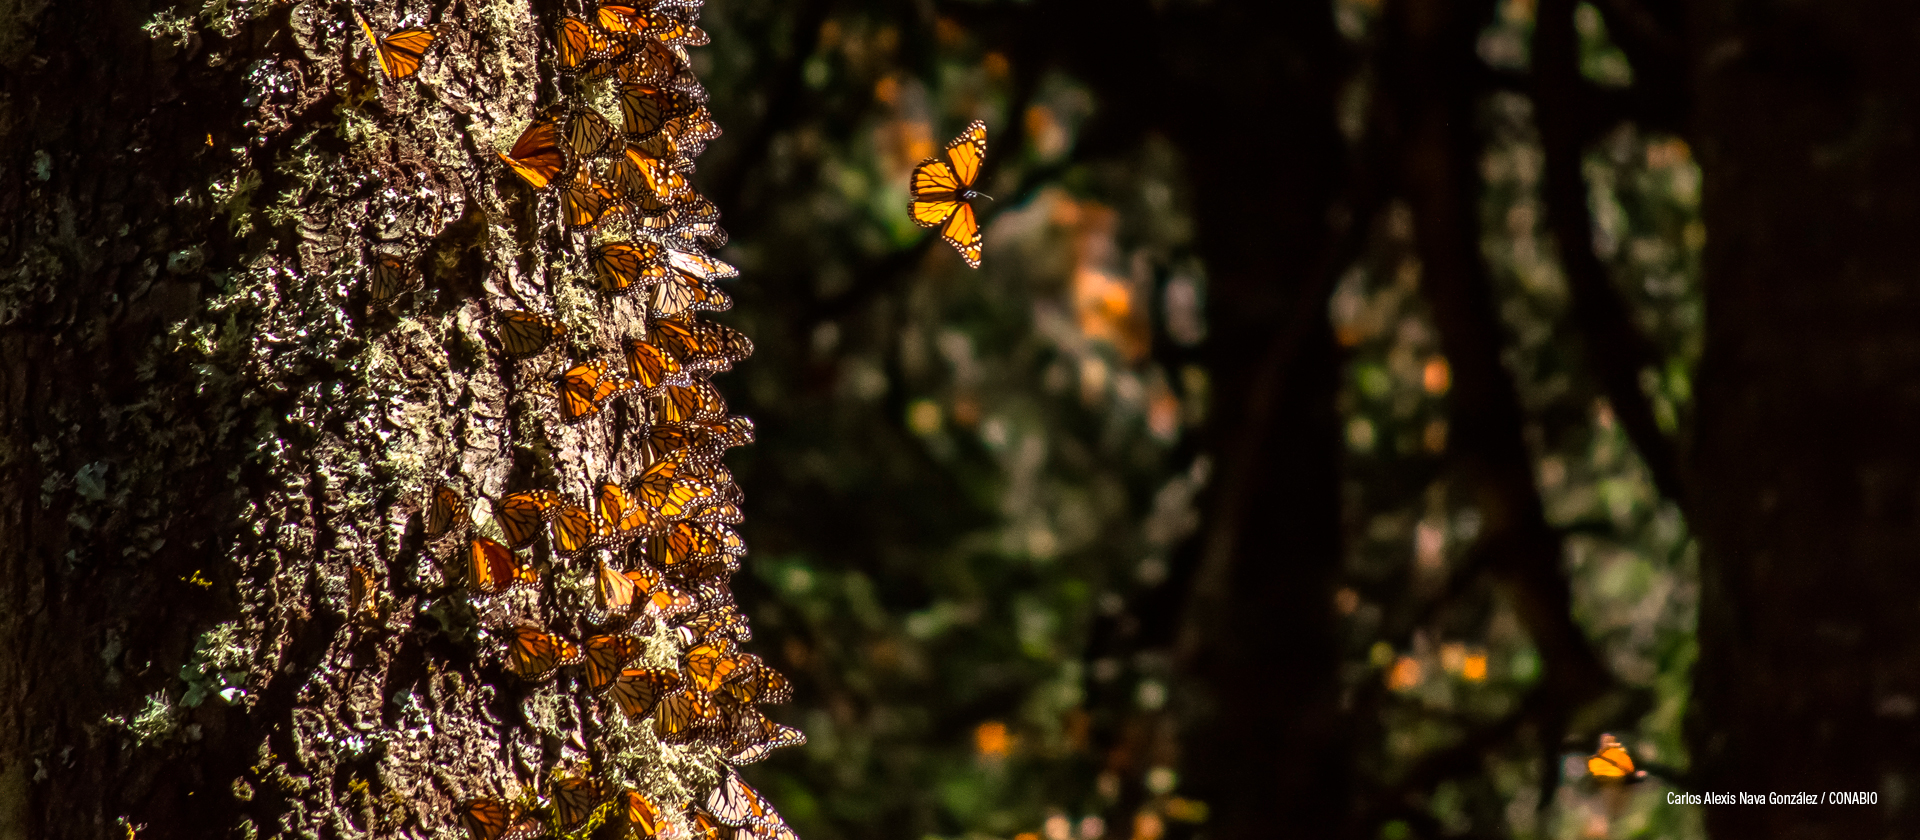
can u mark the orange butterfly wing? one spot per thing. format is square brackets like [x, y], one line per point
[538, 157]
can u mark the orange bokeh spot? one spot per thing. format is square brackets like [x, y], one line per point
[887, 90]
[990, 739]
[1404, 674]
[1436, 377]
[1475, 667]
[995, 64]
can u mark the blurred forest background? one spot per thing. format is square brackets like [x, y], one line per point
[1307, 451]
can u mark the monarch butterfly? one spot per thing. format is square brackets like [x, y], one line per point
[573, 530]
[446, 505]
[400, 52]
[695, 127]
[649, 365]
[666, 489]
[710, 664]
[619, 511]
[676, 336]
[757, 682]
[534, 654]
[528, 333]
[585, 200]
[615, 593]
[584, 387]
[642, 815]
[705, 827]
[683, 715]
[639, 690]
[674, 441]
[391, 276]
[725, 513]
[619, 266]
[494, 568]
[1612, 763]
[581, 43]
[941, 192]
[606, 655]
[722, 623]
[359, 588]
[575, 799]
[521, 515]
[485, 818]
[733, 803]
[723, 345]
[669, 603]
[751, 736]
[651, 63]
[673, 548]
[588, 133]
[645, 180]
[645, 109]
[695, 401]
[539, 157]
[727, 539]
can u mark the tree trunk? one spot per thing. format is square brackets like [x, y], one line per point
[211, 426]
[1807, 464]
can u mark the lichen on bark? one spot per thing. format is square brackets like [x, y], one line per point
[210, 425]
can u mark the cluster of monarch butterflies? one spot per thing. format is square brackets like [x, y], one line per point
[659, 546]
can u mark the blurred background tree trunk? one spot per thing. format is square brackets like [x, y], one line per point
[1806, 461]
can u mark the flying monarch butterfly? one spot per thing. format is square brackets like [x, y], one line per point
[360, 604]
[391, 276]
[528, 333]
[645, 110]
[1612, 763]
[693, 402]
[399, 53]
[606, 655]
[575, 800]
[584, 201]
[620, 513]
[684, 716]
[522, 515]
[649, 365]
[573, 530]
[642, 814]
[584, 387]
[639, 690]
[534, 654]
[669, 492]
[588, 133]
[710, 664]
[445, 508]
[619, 266]
[494, 568]
[485, 818]
[539, 156]
[941, 191]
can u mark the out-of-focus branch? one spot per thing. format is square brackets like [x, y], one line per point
[1616, 350]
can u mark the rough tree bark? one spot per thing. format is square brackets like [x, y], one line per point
[1806, 467]
[209, 423]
